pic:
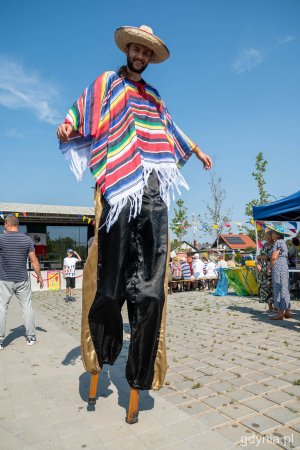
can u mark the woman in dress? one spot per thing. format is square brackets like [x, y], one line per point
[264, 276]
[280, 274]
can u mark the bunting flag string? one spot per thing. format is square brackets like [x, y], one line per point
[195, 225]
[210, 228]
[90, 220]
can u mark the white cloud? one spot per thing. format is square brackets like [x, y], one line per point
[14, 133]
[248, 59]
[286, 39]
[21, 88]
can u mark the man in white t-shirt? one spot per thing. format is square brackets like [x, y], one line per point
[69, 273]
[197, 266]
[210, 269]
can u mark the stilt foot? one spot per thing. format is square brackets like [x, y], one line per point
[93, 389]
[92, 401]
[133, 408]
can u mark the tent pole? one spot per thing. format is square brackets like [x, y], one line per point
[256, 237]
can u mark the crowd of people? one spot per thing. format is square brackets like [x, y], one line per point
[273, 264]
[197, 272]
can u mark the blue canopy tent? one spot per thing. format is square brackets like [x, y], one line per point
[285, 209]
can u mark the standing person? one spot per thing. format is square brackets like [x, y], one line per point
[264, 275]
[15, 249]
[122, 128]
[292, 253]
[280, 274]
[69, 267]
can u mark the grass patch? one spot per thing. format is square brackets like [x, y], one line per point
[197, 386]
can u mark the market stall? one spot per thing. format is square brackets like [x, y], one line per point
[286, 210]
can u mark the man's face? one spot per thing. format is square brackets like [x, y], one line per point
[138, 57]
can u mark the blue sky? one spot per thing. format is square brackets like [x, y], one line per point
[232, 84]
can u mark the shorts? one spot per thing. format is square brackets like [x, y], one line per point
[70, 282]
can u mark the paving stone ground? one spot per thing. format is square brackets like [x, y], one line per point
[233, 381]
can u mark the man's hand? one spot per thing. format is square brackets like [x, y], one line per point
[64, 132]
[205, 159]
[40, 281]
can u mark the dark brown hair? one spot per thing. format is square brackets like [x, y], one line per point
[123, 72]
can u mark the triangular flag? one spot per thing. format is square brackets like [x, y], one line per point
[17, 214]
[24, 214]
[294, 225]
[259, 244]
[83, 218]
[2, 215]
[89, 221]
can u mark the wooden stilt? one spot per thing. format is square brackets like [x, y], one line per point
[133, 408]
[93, 388]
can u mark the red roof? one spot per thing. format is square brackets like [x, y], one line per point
[231, 241]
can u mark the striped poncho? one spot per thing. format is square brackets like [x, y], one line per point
[125, 132]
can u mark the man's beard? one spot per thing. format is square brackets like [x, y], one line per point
[132, 68]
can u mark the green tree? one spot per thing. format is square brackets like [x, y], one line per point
[259, 176]
[263, 196]
[180, 223]
[57, 248]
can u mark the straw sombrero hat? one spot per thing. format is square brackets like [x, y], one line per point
[144, 36]
[279, 229]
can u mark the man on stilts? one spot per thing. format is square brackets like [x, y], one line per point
[122, 129]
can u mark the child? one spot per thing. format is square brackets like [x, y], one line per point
[69, 273]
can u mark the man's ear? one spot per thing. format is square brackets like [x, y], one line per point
[127, 49]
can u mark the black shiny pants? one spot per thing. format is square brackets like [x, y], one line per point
[131, 266]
